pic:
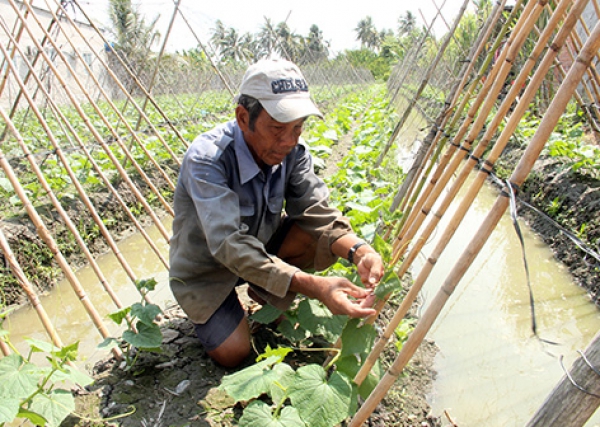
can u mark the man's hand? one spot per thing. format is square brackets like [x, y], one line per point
[370, 269]
[339, 294]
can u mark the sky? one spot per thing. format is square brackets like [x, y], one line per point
[336, 19]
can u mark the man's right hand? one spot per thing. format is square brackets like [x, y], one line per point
[339, 294]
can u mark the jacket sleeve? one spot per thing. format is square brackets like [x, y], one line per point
[307, 203]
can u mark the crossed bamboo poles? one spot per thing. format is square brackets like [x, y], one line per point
[549, 121]
[419, 209]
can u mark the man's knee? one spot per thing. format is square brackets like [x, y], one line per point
[235, 348]
[298, 248]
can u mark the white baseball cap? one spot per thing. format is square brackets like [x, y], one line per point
[281, 89]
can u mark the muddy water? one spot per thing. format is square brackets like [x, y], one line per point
[492, 371]
[66, 311]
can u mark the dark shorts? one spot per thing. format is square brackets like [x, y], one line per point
[229, 315]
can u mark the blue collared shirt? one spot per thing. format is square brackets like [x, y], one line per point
[226, 210]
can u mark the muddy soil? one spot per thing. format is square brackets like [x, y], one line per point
[568, 200]
[179, 387]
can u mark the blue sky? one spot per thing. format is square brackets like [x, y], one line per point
[336, 19]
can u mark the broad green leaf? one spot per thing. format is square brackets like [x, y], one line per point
[382, 247]
[148, 336]
[250, 382]
[357, 340]
[390, 282]
[38, 346]
[54, 406]
[285, 376]
[358, 207]
[34, 417]
[9, 409]
[259, 414]
[145, 313]
[68, 352]
[119, 315]
[147, 284]
[18, 378]
[266, 314]
[72, 375]
[321, 403]
[317, 319]
[6, 185]
[109, 343]
[331, 134]
[350, 366]
[279, 352]
[293, 332]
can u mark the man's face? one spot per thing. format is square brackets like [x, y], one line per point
[270, 141]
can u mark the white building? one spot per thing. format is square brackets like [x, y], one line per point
[73, 47]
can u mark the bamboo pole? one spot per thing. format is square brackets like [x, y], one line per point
[122, 172]
[415, 203]
[46, 236]
[517, 178]
[133, 76]
[422, 85]
[24, 282]
[86, 200]
[471, 162]
[129, 127]
[478, 112]
[410, 181]
[116, 80]
[63, 214]
[28, 75]
[158, 59]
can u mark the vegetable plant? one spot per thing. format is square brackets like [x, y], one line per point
[142, 333]
[33, 392]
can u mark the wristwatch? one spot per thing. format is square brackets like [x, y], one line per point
[353, 250]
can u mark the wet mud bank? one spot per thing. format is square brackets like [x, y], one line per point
[568, 200]
[180, 386]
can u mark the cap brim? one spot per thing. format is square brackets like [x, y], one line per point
[290, 109]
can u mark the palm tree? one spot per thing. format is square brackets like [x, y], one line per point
[267, 38]
[365, 30]
[315, 47]
[289, 44]
[407, 24]
[133, 36]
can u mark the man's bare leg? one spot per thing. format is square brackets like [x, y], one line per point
[235, 348]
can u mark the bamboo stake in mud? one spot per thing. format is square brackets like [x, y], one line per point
[443, 134]
[46, 236]
[478, 112]
[424, 83]
[427, 148]
[122, 172]
[75, 180]
[538, 141]
[25, 284]
[63, 214]
[468, 167]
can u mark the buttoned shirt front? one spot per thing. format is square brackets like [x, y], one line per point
[226, 210]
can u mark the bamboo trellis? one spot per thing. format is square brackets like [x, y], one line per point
[114, 106]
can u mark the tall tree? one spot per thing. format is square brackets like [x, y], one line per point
[315, 47]
[407, 24]
[368, 35]
[134, 37]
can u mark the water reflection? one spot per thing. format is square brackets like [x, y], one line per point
[491, 370]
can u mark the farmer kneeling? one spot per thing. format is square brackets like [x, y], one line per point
[249, 208]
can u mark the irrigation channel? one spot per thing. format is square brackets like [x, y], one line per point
[491, 371]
